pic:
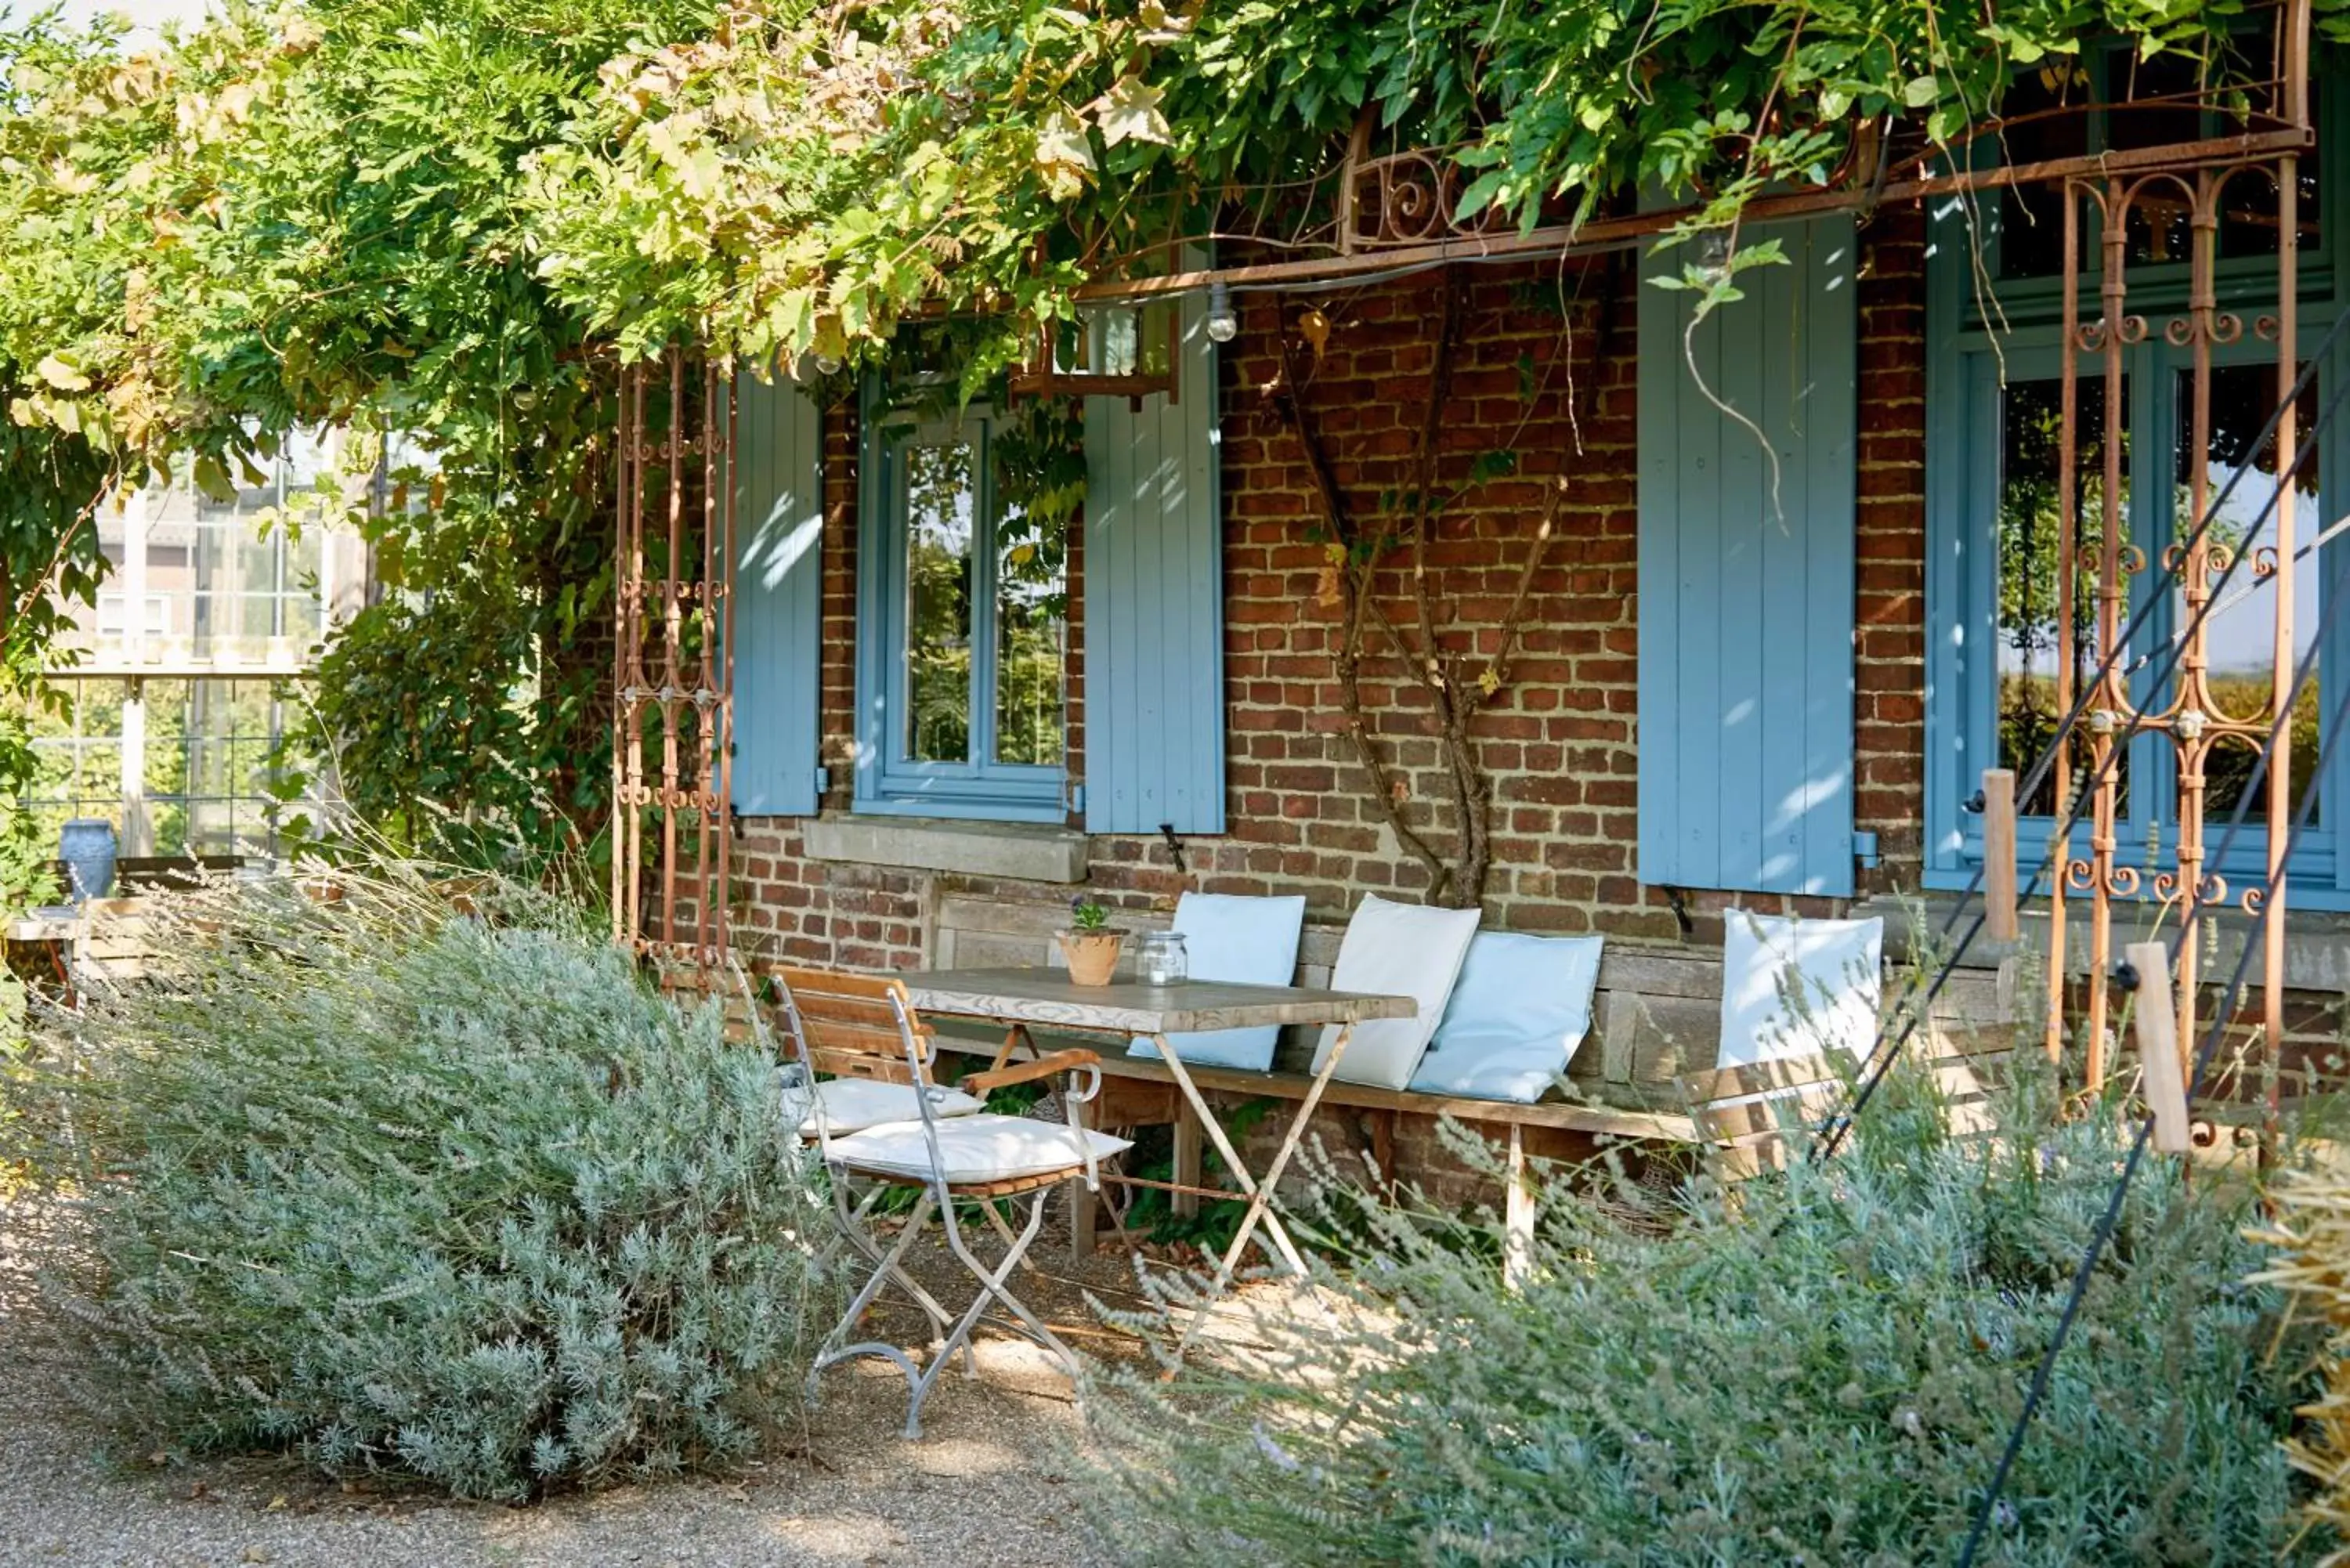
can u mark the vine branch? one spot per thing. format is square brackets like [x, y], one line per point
[1459, 686]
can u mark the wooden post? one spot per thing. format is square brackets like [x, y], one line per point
[1186, 1160]
[1381, 1125]
[2000, 922]
[2164, 1075]
[1518, 1245]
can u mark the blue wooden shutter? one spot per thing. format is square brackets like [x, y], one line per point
[1746, 610]
[778, 598]
[1154, 603]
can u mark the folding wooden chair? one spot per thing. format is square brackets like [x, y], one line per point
[871, 1080]
[864, 1027]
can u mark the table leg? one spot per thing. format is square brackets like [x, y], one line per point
[1278, 1234]
[1082, 1203]
[1257, 1211]
[1187, 1164]
[1013, 1038]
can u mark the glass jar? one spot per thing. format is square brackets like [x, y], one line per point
[1160, 959]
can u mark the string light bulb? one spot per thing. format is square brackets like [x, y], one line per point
[1223, 326]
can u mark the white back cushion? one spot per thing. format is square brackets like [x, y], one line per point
[1396, 950]
[985, 1147]
[851, 1105]
[1798, 988]
[1519, 1009]
[1248, 941]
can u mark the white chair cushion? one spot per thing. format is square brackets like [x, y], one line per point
[1834, 967]
[984, 1147]
[1396, 950]
[1519, 1009]
[852, 1104]
[1247, 941]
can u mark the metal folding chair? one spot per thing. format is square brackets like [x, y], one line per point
[864, 1026]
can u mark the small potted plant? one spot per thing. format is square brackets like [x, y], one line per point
[1089, 945]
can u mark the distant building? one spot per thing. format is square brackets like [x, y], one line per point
[182, 682]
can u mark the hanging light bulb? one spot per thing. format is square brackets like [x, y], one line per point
[826, 364]
[1223, 325]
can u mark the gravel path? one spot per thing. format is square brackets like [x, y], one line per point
[989, 1485]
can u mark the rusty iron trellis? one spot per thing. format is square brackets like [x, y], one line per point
[673, 666]
[2188, 715]
[1377, 207]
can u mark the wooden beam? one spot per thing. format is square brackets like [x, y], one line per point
[2163, 1075]
[2001, 923]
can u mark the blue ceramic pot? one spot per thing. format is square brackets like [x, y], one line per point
[87, 847]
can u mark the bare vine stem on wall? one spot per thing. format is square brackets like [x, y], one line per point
[1458, 684]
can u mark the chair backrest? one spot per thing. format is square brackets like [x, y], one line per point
[854, 1025]
[1760, 1116]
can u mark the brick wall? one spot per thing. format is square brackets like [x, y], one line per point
[1890, 663]
[1546, 370]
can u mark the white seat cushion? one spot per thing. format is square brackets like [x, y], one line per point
[984, 1147]
[1519, 1010]
[1834, 967]
[852, 1104]
[1246, 942]
[1396, 950]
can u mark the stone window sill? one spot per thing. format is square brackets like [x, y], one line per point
[1011, 850]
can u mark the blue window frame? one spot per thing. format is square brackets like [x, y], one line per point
[961, 639]
[1990, 469]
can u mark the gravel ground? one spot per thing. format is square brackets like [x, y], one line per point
[988, 1485]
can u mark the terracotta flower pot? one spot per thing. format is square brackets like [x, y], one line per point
[1092, 955]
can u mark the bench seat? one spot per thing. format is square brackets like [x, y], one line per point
[1572, 1115]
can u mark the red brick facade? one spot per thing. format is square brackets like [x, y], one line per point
[1545, 368]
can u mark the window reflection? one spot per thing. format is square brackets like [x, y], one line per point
[976, 584]
[1031, 654]
[2047, 123]
[2068, 109]
[938, 560]
[2240, 631]
[2030, 598]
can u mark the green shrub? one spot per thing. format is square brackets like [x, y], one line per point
[450, 1194]
[1819, 1369]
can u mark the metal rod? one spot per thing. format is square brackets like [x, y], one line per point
[1602, 234]
[723, 807]
[2068, 511]
[672, 632]
[2280, 781]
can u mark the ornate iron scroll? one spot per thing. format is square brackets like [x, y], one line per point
[2185, 712]
[673, 669]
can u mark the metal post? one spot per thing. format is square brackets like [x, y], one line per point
[2280, 779]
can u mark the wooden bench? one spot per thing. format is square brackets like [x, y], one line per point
[1761, 1116]
[1139, 1091]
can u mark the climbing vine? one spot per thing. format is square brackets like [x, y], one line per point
[1440, 658]
[424, 217]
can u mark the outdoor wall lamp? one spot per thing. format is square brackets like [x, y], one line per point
[1223, 325]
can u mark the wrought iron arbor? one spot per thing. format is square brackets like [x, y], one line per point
[2100, 203]
[673, 670]
[676, 526]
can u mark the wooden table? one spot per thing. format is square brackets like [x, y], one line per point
[1022, 997]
